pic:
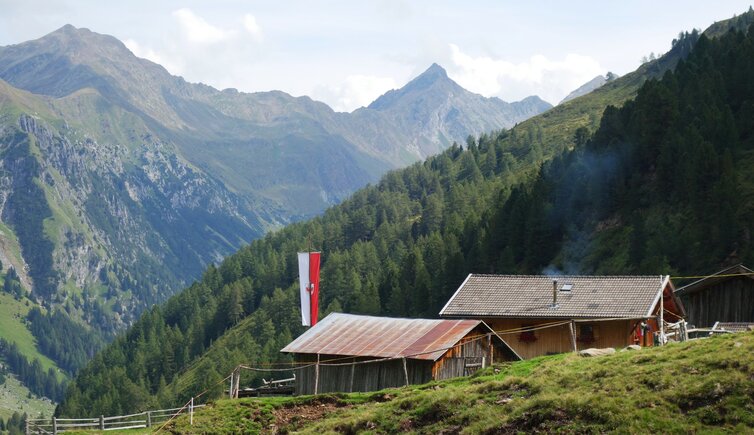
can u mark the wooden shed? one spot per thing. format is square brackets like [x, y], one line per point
[725, 296]
[540, 315]
[346, 352]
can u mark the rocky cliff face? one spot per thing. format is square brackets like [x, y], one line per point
[128, 224]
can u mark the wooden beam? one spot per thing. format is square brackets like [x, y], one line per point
[236, 378]
[230, 387]
[572, 328]
[353, 368]
[316, 376]
[490, 348]
[662, 317]
[405, 370]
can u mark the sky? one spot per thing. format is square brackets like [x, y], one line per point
[348, 52]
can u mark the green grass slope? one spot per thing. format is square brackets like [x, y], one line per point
[13, 328]
[698, 386]
[14, 396]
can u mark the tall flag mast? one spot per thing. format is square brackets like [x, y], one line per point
[308, 273]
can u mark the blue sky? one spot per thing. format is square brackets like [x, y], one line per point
[348, 52]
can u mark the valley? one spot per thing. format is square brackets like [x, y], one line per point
[120, 184]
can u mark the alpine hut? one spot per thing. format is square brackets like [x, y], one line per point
[346, 352]
[725, 296]
[539, 315]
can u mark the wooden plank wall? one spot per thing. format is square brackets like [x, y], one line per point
[453, 363]
[727, 301]
[615, 334]
[366, 377]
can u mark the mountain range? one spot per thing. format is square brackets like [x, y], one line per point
[137, 179]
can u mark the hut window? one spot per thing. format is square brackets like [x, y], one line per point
[527, 334]
[586, 333]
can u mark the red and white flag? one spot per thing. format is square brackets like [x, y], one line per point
[308, 274]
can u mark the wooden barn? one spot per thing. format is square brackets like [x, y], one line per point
[540, 315]
[726, 296]
[345, 352]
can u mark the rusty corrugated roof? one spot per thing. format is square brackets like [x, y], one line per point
[519, 296]
[384, 337]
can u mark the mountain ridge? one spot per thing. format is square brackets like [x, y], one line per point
[589, 86]
[119, 182]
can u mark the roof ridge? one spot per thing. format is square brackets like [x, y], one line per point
[382, 317]
[570, 276]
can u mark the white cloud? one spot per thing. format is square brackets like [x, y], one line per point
[550, 79]
[198, 30]
[150, 54]
[251, 26]
[223, 54]
[354, 92]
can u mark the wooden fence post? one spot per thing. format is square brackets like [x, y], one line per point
[55, 425]
[101, 422]
[230, 387]
[353, 368]
[191, 412]
[490, 348]
[662, 317]
[149, 418]
[316, 376]
[26, 429]
[572, 327]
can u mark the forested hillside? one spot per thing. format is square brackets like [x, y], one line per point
[662, 186]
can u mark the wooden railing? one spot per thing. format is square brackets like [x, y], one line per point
[132, 421]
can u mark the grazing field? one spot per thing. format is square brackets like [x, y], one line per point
[698, 386]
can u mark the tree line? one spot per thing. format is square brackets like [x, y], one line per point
[14, 425]
[43, 383]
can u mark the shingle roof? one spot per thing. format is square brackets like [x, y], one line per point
[384, 337]
[516, 296]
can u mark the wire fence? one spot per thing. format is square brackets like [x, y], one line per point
[144, 419]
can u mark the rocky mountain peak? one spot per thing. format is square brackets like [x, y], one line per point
[77, 43]
[434, 72]
[435, 77]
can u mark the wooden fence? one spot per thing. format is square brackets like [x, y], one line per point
[132, 421]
